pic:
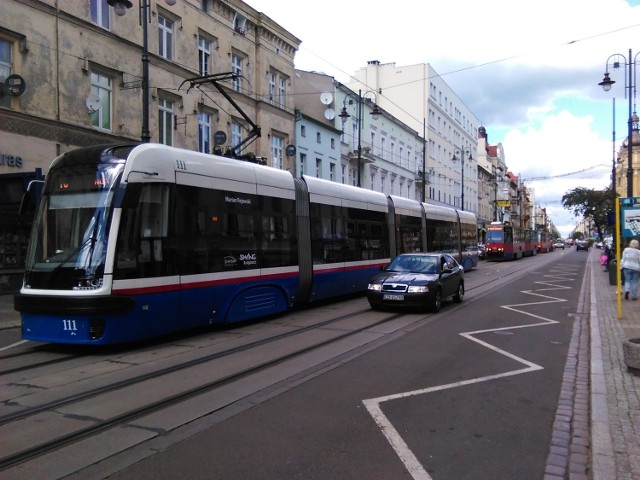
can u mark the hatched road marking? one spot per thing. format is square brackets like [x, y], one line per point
[373, 405]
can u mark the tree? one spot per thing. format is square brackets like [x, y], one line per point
[590, 203]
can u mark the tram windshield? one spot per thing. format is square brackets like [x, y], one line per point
[69, 240]
[495, 236]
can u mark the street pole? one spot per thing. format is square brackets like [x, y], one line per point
[120, 7]
[146, 134]
[359, 134]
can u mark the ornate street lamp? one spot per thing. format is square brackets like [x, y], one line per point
[606, 84]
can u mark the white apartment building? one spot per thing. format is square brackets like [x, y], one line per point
[390, 156]
[421, 99]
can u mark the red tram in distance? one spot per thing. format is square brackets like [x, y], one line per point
[507, 242]
[544, 243]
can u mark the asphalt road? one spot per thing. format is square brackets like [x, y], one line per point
[471, 393]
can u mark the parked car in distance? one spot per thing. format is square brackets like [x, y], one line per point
[417, 280]
[559, 244]
[582, 245]
[482, 251]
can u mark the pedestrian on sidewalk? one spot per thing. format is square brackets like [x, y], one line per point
[630, 265]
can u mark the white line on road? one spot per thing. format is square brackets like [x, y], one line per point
[410, 461]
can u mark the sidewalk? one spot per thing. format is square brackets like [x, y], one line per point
[615, 392]
[604, 391]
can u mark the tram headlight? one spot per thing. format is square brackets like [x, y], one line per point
[88, 283]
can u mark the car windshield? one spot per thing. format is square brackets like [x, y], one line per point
[415, 264]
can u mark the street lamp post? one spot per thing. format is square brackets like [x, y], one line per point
[120, 7]
[344, 115]
[462, 153]
[606, 84]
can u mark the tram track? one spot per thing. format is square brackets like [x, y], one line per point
[97, 426]
[59, 410]
[4, 419]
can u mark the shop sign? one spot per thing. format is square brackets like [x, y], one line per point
[14, 161]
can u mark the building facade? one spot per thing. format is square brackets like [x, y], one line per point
[82, 71]
[622, 162]
[390, 157]
[420, 98]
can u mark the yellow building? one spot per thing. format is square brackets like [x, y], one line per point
[622, 164]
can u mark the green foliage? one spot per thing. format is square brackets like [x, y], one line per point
[590, 203]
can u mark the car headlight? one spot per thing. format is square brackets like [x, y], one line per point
[418, 289]
[376, 287]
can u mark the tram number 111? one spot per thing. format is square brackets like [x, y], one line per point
[69, 325]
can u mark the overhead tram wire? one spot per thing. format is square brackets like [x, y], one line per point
[549, 177]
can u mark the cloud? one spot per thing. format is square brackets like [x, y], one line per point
[528, 72]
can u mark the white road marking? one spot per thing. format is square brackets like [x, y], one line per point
[2, 349]
[410, 461]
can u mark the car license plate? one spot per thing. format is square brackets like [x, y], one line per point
[392, 296]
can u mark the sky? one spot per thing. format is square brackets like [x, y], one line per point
[529, 71]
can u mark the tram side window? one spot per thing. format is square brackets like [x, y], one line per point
[442, 236]
[371, 233]
[508, 235]
[279, 244]
[144, 247]
[328, 239]
[469, 237]
[409, 233]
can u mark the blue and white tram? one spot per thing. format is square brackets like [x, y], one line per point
[451, 231]
[136, 241]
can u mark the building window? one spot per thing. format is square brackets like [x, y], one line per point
[372, 185]
[272, 88]
[332, 172]
[373, 143]
[383, 144]
[354, 134]
[240, 24]
[5, 69]
[101, 86]
[277, 151]
[333, 143]
[236, 135]
[318, 168]
[354, 177]
[303, 131]
[282, 92]
[236, 69]
[206, 6]
[303, 159]
[343, 173]
[100, 13]
[204, 132]
[318, 137]
[165, 37]
[165, 121]
[204, 56]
